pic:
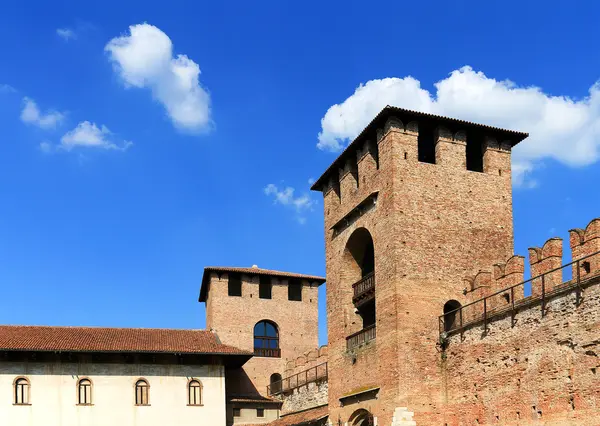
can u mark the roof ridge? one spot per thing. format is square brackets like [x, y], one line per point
[97, 327]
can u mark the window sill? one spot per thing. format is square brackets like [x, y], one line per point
[195, 405]
[26, 405]
[84, 405]
[142, 405]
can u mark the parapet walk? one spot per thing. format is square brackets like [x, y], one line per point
[500, 285]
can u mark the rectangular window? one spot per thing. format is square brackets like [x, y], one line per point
[294, 290]
[475, 152]
[237, 412]
[260, 412]
[264, 287]
[426, 143]
[234, 287]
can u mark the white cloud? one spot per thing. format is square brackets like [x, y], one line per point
[46, 147]
[144, 59]
[89, 135]
[66, 34]
[285, 196]
[7, 88]
[31, 114]
[561, 128]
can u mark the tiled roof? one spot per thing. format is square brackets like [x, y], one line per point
[100, 339]
[301, 418]
[405, 114]
[252, 271]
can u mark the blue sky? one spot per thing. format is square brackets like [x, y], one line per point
[122, 175]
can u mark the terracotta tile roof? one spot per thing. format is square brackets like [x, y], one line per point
[100, 339]
[300, 418]
[406, 114]
[252, 271]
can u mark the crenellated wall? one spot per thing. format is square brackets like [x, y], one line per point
[536, 363]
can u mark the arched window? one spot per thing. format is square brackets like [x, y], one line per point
[84, 392]
[22, 391]
[142, 392]
[450, 313]
[266, 339]
[275, 384]
[194, 392]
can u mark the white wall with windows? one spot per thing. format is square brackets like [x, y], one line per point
[92, 394]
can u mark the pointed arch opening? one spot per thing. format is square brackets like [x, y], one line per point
[361, 417]
[359, 270]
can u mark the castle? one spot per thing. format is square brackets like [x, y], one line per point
[431, 320]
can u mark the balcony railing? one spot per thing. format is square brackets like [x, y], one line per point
[364, 288]
[311, 375]
[268, 352]
[363, 336]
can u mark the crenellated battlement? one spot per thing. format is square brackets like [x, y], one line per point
[502, 288]
[403, 138]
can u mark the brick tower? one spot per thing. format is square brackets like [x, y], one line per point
[272, 313]
[412, 206]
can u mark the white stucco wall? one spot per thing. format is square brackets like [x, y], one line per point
[54, 395]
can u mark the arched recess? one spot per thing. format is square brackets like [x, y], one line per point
[358, 272]
[275, 384]
[451, 314]
[361, 417]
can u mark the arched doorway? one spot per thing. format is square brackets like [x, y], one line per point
[359, 272]
[450, 314]
[361, 417]
[275, 384]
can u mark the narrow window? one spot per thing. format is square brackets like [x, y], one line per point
[237, 412]
[475, 152]
[426, 143]
[294, 290]
[264, 287]
[451, 312]
[260, 412]
[142, 391]
[235, 285]
[194, 393]
[84, 392]
[586, 267]
[22, 391]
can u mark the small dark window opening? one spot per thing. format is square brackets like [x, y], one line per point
[294, 290]
[237, 412]
[586, 267]
[264, 287]
[426, 143]
[475, 152]
[260, 412]
[506, 297]
[450, 314]
[235, 285]
[367, 313]
[275, 383]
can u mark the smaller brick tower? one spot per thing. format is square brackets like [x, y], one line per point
[272, 313]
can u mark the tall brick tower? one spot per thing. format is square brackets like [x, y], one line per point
[272, 313]
[413, 205]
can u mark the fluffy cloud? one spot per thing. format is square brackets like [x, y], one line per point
[144, 59]
[561, 128]
[89, 135]
[285, 196]
[31, 114]
[66, 34]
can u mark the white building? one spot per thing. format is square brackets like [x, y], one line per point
[84, 376]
